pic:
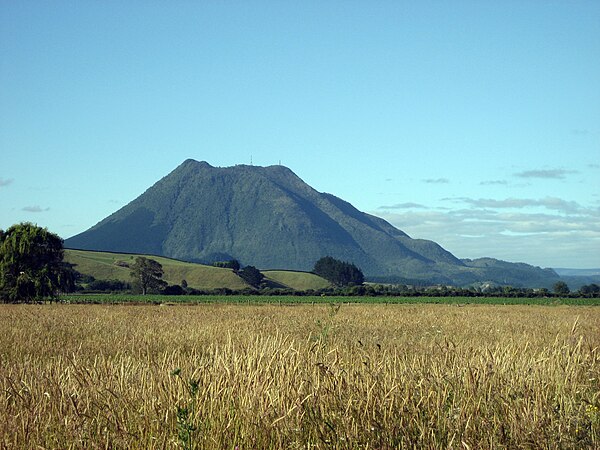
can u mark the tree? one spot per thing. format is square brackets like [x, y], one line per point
[108, 285]
[173, 289]
[251, 275]
[338, 272]
[589, 290]
[31, 264]
[561, 288]
[147, 274]
[233, 264]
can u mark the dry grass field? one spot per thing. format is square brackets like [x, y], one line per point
[253, 377]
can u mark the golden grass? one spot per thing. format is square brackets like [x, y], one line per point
[366, 376]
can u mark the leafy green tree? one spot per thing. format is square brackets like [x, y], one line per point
[231, 264]
[147, 274]
[561, 288]
[108, 285]
[31, 264]
[251, 275]
[173, 289]
[590, 290]
[338, 272]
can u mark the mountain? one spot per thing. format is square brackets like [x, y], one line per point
[268, 217]
[576, 278]
[578, 272]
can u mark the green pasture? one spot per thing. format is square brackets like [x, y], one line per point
[299, 281]
[292, 299]
[113, 266]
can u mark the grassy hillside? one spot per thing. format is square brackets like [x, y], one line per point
[103, 265]
[300, 281]
[113, 266]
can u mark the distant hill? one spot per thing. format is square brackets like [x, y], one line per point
[575, 278]
[115, 266]
[268, 217]
[578, 272]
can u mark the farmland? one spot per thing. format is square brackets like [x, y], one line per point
[311, 299]
[105, 265]
[240, 375]
[115, 266]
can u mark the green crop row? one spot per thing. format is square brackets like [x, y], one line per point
[290, 299]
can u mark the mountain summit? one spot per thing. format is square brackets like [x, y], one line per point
[270, 218]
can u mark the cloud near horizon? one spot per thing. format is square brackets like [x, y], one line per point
[551, 203]
[6, 181]
[511, 229]
[408, 205]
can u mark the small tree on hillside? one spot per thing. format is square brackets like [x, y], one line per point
[338, 272]
[233, 264]
[147, 274]
[251, 275]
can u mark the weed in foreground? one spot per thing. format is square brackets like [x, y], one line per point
[187, 422]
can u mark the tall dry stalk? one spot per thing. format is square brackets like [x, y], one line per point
[426, 376]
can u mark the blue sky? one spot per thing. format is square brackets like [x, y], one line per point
[474, 124]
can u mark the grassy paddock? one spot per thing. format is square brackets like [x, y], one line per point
[291, 299]
[106, 266]
[301, 376]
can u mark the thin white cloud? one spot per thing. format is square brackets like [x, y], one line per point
[580, 132]
[6, 181]
[493, 182]
[565, 234]
[436, 181]
[35, 209]
[557, 174]
[408, 205]
[551, 203]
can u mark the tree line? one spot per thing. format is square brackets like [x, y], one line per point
[32, 269]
